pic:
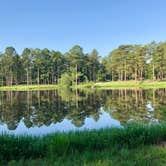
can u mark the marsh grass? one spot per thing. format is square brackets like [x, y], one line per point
[141, 156]
[16, 147]
[58, 145]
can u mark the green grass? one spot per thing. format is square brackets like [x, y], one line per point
[99, 85]
[148, 84]
[130, 84]
[131, 145]
[142, 156]
[28, 87]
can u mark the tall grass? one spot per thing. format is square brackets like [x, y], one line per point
[16, 147]
[60, 144]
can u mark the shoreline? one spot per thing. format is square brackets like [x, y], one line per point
[99, 85]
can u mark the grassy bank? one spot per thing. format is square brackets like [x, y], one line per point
[128, 85]
[98, 85]
[131, 145]
[28, 87]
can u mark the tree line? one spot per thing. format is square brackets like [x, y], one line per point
[127, 62]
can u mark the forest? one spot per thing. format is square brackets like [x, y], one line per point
[127, 62]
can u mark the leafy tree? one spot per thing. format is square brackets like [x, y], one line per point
[8, 64]
[27, 63]
[57, 65]
[38, 62]
[75, 58]
[65, 80]
[93, 65]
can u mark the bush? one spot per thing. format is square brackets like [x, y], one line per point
[65, 80]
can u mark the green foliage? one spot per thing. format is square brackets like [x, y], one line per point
[126, 145]
[61, 144]
[142, 156]
[65, 80]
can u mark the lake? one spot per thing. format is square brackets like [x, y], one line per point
[43, 112]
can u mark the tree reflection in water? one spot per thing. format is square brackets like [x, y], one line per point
[37, 108]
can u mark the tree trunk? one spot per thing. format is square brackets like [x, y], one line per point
[38, 76]
[125, 73]
[27, 77]
[119, 76]
[76, 76]
[141, 74]
[57, 75]
[135, 74]
[153, 73]
[11, 80]
[125, 76]
[112, 76]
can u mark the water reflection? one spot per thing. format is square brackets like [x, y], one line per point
[65, 110]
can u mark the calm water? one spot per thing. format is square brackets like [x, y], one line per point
[43, 112]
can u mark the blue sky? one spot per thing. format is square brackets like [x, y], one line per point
[100, 24]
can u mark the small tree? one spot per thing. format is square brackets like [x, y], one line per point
[65, 80]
